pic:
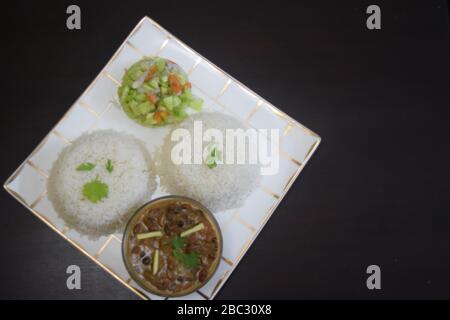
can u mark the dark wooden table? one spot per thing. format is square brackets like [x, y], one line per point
[376, 192]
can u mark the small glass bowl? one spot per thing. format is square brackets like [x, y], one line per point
[126, 249]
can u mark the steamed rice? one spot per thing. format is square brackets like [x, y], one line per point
[224, 187]
[130, 183]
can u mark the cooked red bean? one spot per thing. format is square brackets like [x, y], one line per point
[146, 261]
[136, 250]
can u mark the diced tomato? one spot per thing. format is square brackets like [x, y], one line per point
[164, 114]
[159, 116]
[175, 85]
[152, 98]
[151, 72]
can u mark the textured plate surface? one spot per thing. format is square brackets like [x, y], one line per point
[97, 108]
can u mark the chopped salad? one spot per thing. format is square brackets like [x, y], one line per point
[156, 92]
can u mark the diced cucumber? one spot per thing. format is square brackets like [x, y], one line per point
[140, 97]
[153, 84]
[171, 101]
[196, 104]
[146, 87]
[186, 96]
[124, 93]
[136, 74]
[164, 90]
[149, 119]
[145, 107]
[160, 64]
[128, 110]
[133, 103]
[145, 64]
[180, 111]
[181, 78]
[135, 110]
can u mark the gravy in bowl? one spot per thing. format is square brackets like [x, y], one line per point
[172, 246]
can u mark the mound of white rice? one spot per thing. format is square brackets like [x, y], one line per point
[224, 187]
[130, 183]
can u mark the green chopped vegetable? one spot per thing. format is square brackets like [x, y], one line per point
[164, 89]
[95, 190]
[160, 64]
[180, 112]
[109, 166]
[211, 161]
[145, 107]
[198, 227]
[139, 97]
[123, 93]
[189, 260]
[147, 235]
[196, 104]
[178, 243]
[214, 155]
[156, 92]
[182, 79]
[87, 166]
[153, 84]
[171, 102]
[178, 254]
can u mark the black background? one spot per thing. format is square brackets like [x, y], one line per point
[375, 192]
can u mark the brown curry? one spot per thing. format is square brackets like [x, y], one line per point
[173, 246]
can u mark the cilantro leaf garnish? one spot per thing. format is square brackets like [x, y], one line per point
[189, 260]
[213, 156]
[178, 254]
[95, 190]
[212, 164]
[87, 166]
[178, 242]
[109, 166]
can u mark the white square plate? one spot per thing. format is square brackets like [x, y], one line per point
[97, 108]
